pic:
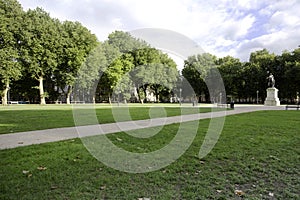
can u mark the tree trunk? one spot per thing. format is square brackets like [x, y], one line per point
[109, 99]
[41, 88]
[156, 95]
[68, 97]
[138, 94]
[4, 94]
[94, 99]
[145, 94]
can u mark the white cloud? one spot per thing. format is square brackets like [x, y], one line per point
[221, 27]
[281, 18]
[236, 28]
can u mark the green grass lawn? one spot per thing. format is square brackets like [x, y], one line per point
[18, 118]
[257, 153]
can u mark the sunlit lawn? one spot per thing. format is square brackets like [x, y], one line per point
[17, 118]
[258, 153]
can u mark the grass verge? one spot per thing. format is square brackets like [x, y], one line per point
[34, 117]
[257, 153]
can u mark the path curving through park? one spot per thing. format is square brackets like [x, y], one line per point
[13, 140]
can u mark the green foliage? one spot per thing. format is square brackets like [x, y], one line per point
[11, 15]
[42, 41]
[41, 46]
[153, 70]
[119, 62]
[124, 42]
[93, 67]
[137, 65]
[248, 79]
[77, 42]
[196, 70]
[231, 69]
[288, 67]
[56, 54]
[263, 58]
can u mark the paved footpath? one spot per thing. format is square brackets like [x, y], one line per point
[14, 140]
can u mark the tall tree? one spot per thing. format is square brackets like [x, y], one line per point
[42, 43]
[196, 69]
[290, 62]
[264, 59]
[77, 43]
[118, 50]
[124, 42]
[256, 70]
[153, 70]
[11, 14]
[166, 75]
[230, 69]
[115, 73]
[90, 71]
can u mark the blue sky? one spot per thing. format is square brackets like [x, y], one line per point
[220, 27]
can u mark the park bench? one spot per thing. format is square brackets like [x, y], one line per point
[78, 102]
[292, 106]
[223, 105]
[13, 102]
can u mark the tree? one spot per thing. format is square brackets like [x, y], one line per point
[256, 70]
[196, 70]
[142, 75]
[264, 59]
[292, 74]
[118, 51]
[116, 71]
[124, 42]
[90, 71]
[77, 43]
[166, 75]
[290, 62]
[42, 43]
[230, 69]
[153, 70]
[11, 14]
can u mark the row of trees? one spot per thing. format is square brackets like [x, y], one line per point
[125, 68]
[44, 55]
[42, 58]
[246, 81]
[36, 47]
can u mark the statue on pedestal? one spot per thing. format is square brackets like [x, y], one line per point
[272, 92]
[271, 81]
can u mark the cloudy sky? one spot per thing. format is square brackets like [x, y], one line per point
[220, 27]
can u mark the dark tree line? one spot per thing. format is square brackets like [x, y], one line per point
[246, 81]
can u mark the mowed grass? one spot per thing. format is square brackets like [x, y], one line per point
[257, 153]
[18, 118]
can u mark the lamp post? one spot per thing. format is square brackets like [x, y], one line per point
[119, 94]
[180, 90]
[257, 96]
[8, 95]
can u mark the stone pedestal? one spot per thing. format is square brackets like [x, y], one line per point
[272, 97]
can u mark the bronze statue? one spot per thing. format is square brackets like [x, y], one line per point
[271, 80]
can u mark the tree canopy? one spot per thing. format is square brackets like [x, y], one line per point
[11, 15]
